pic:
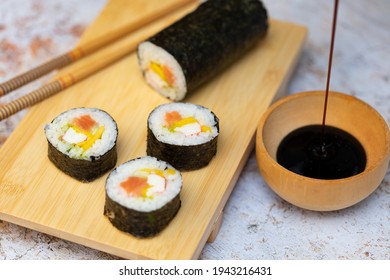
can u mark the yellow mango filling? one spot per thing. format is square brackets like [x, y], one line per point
[163, 72]
[182, 122]
[158, 70]
[205, 128]
[91, 140]
[158, 171]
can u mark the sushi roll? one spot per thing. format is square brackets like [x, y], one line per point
[143, 196]
[186, 54]
[82, 143]
[183, 134]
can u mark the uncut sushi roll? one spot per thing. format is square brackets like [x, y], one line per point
[183, 134]
[82, 143]
[186, 54]
[143, 196]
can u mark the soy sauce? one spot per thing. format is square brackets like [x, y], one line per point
[334, 154]
[321, 151]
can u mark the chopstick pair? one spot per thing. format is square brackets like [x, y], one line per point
[74, 55]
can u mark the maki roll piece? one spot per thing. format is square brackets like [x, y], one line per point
[183, 134]
[191, 51]
[82, 143]
[143, 196]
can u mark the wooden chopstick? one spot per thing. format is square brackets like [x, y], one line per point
[69, 79]
[86, 49]
[62, 82]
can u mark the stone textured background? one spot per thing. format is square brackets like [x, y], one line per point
[257, 223]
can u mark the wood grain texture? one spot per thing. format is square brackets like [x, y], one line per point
[34, 194]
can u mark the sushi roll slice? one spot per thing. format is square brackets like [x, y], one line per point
[183, 134]
[82, 143]
[186, 54]
[143, 196]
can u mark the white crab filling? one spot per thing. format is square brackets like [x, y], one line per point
[73, 137]
[156, 183]
[189, 129]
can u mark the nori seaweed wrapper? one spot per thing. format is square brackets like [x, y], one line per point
[141, 224]
[213, 36]
[183, 158]
[81, 169]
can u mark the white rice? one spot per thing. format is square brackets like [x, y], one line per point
[58, 127]
[204, 116]
[120, 174]
[149, 52]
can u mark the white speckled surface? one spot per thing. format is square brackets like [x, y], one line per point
[257, 224]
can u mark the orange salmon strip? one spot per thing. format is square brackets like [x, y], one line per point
[85, 122]
[172, 117]
[168, 75]
[135, 186]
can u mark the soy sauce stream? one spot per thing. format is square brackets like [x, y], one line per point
[336, 4]
[321, 151]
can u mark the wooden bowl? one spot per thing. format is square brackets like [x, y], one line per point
[345, 112]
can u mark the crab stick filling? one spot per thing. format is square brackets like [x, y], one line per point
[163, 73]
[188, 126]
[147, 182]
[83, 131]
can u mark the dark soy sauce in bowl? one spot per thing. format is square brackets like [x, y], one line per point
[329, 154]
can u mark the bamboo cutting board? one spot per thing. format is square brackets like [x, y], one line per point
[34, 194]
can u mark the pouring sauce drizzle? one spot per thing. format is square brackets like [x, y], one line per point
[322, 151]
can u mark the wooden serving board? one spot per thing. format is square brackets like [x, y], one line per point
[34, 194]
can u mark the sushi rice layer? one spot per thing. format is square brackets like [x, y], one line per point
[65, 134]
[144, 184]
